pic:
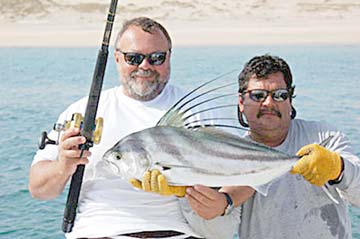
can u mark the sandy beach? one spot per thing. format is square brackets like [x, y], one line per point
[80, 23]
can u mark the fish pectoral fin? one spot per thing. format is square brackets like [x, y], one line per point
[162, 167]
[170, 166]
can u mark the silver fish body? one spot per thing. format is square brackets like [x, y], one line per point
[185, 149]
[186, 157]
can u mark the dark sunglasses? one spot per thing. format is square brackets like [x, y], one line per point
[260, 95]
[135, 59]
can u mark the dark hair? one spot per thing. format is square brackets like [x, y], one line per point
[147, 25]
[262, 67]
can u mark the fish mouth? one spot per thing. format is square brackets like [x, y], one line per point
[106, 155]
[107, 158]
[113, 166]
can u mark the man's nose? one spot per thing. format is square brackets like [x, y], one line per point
[145, 64]
[268, 100]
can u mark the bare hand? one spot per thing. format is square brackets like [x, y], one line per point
[69, 152]
[208, 203]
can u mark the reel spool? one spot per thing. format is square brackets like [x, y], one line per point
[75, 122]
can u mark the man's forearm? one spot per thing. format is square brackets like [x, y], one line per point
[47, 179]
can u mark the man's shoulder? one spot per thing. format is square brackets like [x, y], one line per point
[316, 132]
[106, 95]
[111, 94]
[170, 94]
[303, 132]
[80, 104]
[313, 125]
[175, 90]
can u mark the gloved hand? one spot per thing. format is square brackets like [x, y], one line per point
[154, 181]
[317, 165]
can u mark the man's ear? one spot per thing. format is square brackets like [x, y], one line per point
[241, 103]
[117, 57]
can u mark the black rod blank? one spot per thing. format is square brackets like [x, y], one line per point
[89, 121]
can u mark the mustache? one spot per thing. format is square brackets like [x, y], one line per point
[267, 111]
[143, 73]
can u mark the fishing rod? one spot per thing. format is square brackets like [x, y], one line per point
[89, 122]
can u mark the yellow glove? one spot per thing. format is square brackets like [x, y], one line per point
[317, 165]
[154, 181]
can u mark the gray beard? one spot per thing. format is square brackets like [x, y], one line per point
[144, 90]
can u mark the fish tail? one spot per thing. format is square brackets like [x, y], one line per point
[326, 141]
[326, 190]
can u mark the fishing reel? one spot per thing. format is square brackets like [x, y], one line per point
[75, 122]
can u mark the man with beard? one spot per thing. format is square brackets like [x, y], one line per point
[109, 207]
[296, 205]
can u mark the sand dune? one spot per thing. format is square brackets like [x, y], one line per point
[81, 22]
[169, 10]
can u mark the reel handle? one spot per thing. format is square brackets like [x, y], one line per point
[44, 140]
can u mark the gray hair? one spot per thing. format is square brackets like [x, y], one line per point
[147, 25]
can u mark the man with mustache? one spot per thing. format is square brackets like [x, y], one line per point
[110, 207]
[295, 205]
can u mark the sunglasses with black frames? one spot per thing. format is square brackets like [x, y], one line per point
[260, 95]
[155, 58]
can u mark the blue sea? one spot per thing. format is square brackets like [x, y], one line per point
[36, 84]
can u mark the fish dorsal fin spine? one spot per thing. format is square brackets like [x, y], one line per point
[173, 118]
[176, 107]
[192, 116]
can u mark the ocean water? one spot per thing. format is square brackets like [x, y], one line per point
[36, 84]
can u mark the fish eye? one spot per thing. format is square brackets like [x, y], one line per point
[118, 156]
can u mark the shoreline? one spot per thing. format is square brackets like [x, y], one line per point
[207, 36]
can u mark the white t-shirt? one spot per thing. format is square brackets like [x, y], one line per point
[294, 208]
[110, 207]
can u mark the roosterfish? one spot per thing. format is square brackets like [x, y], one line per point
[193, 152]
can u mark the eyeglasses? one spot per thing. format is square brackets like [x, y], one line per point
[135, 59]
[260, 95]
